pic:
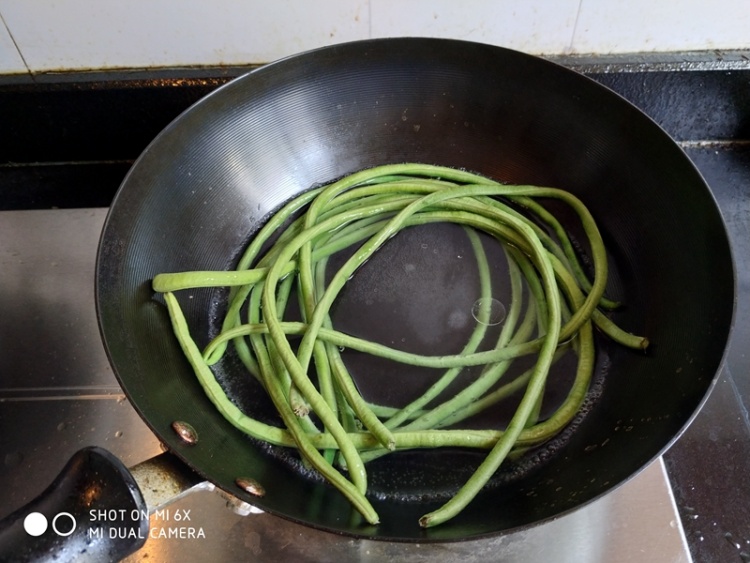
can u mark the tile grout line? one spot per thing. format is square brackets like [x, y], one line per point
[15, 44]
[369, 19]
[575, 27]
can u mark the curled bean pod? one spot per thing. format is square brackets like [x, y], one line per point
[325, 417]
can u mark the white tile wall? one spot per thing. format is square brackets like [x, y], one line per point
[662, 25]
[93, 34]
[10, 58]
[539, 26]
[65, 34]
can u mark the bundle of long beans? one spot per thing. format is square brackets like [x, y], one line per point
[334, 428]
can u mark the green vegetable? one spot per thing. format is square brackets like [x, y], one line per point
[553, 310]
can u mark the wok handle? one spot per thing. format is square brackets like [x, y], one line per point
[92, 511]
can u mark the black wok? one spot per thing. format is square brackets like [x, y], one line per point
[207, 182]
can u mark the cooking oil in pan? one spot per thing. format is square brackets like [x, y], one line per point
[420, 293]
[488, 311]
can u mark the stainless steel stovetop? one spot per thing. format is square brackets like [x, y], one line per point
[67, 141]
[62, 396]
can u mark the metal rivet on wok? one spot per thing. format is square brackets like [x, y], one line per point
[250, 486]
[186, 432]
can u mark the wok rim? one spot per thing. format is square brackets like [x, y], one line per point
[184, 454]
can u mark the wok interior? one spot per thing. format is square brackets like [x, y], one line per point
[196, 195]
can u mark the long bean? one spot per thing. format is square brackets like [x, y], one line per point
[326, 413]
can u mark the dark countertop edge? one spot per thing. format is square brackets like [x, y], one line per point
[679, 61]
[714, 59]
[619, 72]
[133, 77]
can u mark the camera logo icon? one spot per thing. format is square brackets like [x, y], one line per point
[63, 524]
